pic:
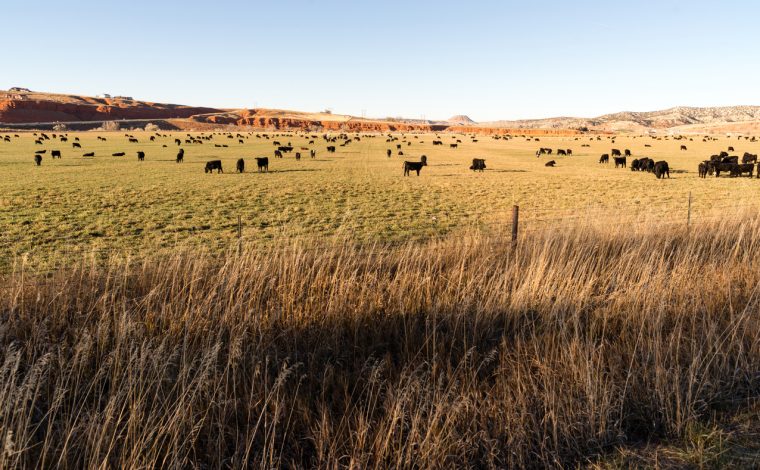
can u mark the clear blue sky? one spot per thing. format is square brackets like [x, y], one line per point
[487, 59]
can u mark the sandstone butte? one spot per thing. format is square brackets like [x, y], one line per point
[32, 107]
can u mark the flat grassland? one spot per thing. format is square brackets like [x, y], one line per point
[609, 336]
[77, 204]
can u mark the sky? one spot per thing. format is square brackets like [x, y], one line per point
[426, 59]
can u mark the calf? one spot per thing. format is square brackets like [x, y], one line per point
[213, 165]
[604, 158]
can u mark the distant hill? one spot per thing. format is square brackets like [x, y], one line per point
[697, 119]
[461, 120]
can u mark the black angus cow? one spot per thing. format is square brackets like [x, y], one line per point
[749, 158]
[278, 154]
[331, 149]
[388, 152]
[615, 153]
[313, 153]
[298, 155]
[55, 153]
[627, 153]
[132, 140]
[561, 152]
[214, 165]
[262, 163]
[118, 154]
[40, 152]
[733, 159]
[76, 145]
[731, 149]
[550, 163]
[605, 158]
[740, 169]
[413, 166]
[683, 148]
[620, 162]
[646, 164]
[702, 169]
[569, 151]
[478, 164]
[38, 160]
[89, 154]
[240, 166]
[661, 169]
[717, 166]
[181, 156]
[453, 145]
[178, 142]
[140, 156]
[635, 165]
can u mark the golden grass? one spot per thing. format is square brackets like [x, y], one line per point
[462, 352]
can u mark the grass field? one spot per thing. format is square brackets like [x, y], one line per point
[115, 203]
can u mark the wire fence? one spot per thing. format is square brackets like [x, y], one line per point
[52, 252]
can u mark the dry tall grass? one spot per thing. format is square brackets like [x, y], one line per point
[463, 352]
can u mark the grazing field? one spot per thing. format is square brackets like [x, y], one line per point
[91, 204]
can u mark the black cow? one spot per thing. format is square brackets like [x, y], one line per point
[739, 170]
[178, 142]
[731, 149]
[76, 145]
[702, 169]
[331, 149]
[262, 163]
[298, 155]
[118, 154]
[453, 145]
[181, 156]
[313, 153]
[89, 154]
[717, 167]
[55, 153]
[616, 153]
[140, 156]
[561, 152]
[635, 165]
[605, 158]
[40, 152]
[661, 169]
[627, 153]
[550, 163]
[38, 160]
[389, 152]
[620, 162]
[240, 166]
[413, 166]
[749, 158]
[683, 149]
[478, 164]
[214, 165]
[278, 154]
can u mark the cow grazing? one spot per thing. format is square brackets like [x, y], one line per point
[313, 153]
[263, 164]
[76, 145]
[478, 164]
[605, 158]
[214, 165]
[569, 151]
[55, 153]
[550, 163]
[627, 153]
[683, 149]
[749, 158]
[620, 162]
[616, 153]
[453, 145]
[561, 152]
[661, 169]
[140, 156]
[731, 149]
[240, 166]
[278, 154]
[331, 149]
[635, 165]
[89, 154]
[38, 159]
[181, 156]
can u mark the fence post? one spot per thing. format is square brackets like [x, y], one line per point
[240, 236]
[515, 219]
[688, 215]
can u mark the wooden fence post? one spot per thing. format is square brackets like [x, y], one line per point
[688, 215]
[515, 219]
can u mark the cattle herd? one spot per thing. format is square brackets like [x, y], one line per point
[722, 163]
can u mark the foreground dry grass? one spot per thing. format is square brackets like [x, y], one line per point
[567, 349]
